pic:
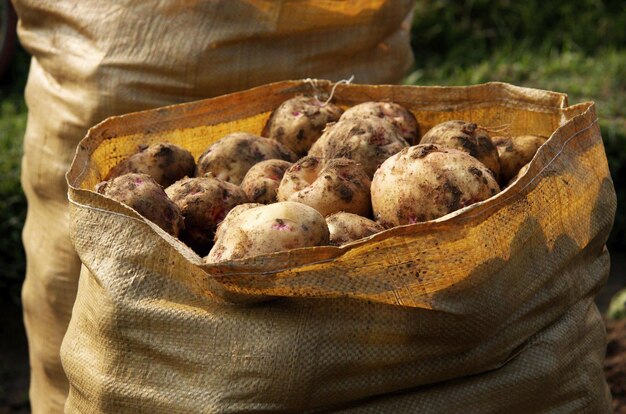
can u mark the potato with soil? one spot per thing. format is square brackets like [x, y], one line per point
[369, 141]
[329, 186]
[204, 202]
[521, 172]
[428, 181]
[515, 152]
[142, 193]
[166, 163]
[347, 227]
[298, 122]
[268, 229]
[231, 157]
[467, 137]
[399, 116]
[262, 180]
[230, 217]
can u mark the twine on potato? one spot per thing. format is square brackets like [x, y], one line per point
[313, 83]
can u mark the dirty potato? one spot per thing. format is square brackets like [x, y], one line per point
[268, 229]
[204, 202]
[517, 176]
[369, 141]
[165, 163]
[515, 152]
[298, 122]
[142, 193]
[230, 217]
[467, 137]
[328, 186]
[428, 181]
[231, 157]
[347, 227]
[262, 180]
[399, 116]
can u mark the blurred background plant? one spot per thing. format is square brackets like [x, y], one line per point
[573, 47]
[14, 63]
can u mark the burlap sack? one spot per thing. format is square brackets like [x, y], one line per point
[93, 59]
[487, 310]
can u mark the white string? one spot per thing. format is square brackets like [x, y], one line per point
[313, 83]
[332, 91]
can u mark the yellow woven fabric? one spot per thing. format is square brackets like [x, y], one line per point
[487, 310]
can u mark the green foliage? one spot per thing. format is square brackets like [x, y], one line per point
[617, 308]
[12, 200]
[468, 31]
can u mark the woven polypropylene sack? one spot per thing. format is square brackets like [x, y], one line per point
[93, 59]
[487, 310]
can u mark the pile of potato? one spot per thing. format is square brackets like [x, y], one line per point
[318, 176]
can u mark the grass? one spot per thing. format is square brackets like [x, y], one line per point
[447, 31]
[12, 202]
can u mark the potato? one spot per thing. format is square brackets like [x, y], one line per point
[262, 180]
[521, 172]
[399, 116]
[142, 193]
[368, 141]
[268, 229]
[298, 122]
[204, 202]
[347, 227]
[515, 152]
[165, 163]
[231, 157]
[467, 137]
[328, 186]
[428, 181]
[230, 217]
